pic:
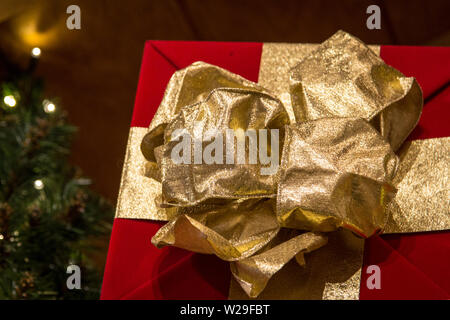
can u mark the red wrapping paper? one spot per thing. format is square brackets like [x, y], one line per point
[414, 266]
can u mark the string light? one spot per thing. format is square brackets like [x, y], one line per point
[38, 184]
[9, 101]
[49, 106]
[36, 52]
[1, 237]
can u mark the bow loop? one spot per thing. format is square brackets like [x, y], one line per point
[345, 78]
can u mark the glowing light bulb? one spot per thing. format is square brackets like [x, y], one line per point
[1, 237]
[9, 101]
[38, 184]
[49, 106]
[36, 52]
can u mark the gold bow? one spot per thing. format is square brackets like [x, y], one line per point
[350, 113]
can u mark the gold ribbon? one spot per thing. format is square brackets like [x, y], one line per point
[349, 113]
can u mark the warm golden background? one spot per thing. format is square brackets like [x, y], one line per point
[94, 71]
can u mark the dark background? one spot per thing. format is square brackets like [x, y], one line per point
[94, 71]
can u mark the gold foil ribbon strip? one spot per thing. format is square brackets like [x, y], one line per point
[422, 202]
[138, 195]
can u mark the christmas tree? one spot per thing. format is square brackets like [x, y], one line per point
[48, 215]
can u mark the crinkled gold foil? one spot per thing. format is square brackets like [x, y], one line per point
[187, 87]
[194, 83]
[276, 61]
[246, 230]
[139, 195]
[225, 108]
[335, 172]
[231, 230]
[332, 272]
[345, 78]
[422, 202]
[254, 272]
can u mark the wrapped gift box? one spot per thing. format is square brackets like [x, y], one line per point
[414, 265]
